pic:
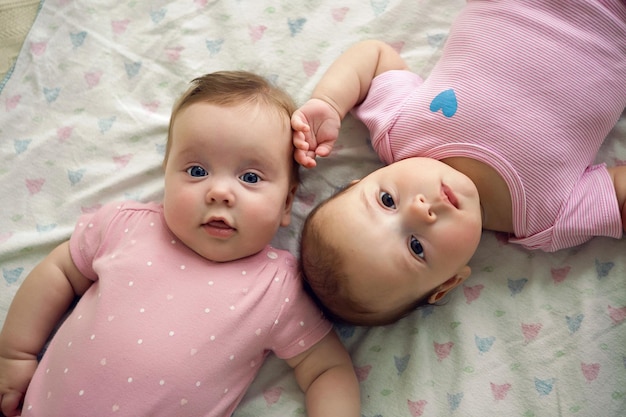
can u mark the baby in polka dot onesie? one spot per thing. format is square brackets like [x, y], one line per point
[181, 301]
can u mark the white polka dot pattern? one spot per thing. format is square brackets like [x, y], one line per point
[140, 327]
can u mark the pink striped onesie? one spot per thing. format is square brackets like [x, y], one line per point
[530, 88]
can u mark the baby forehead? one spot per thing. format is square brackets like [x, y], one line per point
[336, 204]
[340, 218]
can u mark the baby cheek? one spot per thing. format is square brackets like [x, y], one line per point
[183, 197]
[465, 239]
[179, 207]
[264, 218]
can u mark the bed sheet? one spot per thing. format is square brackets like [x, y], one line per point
[83, 121]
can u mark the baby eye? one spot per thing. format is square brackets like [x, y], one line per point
[416, 247]
[387, 200]
[250, 177]
[197, 171]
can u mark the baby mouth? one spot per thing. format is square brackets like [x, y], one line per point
[449, 195]
[219, 228]
[220, 224]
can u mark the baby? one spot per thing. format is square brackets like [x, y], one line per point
[181, 302]
[500, 136]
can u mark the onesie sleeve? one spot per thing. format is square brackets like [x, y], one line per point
[591, 210]
[385, 99]
[300, 324]
[87, 240]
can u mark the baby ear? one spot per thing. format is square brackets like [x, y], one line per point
[291, 195]
[450, 284]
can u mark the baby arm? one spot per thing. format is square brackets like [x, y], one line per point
[619, 181]
[344, 85]
[326, 375]
[42, 299]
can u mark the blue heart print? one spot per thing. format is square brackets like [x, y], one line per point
[158, 15]
[446, 102]
[214, 46]
[12, 275]
[544, 386]
[379, 6]
[51, 94]
[573, 323]
[516, 285]
[132, 68]
[401, 363]
[454, 400]
[296, 25]
[78, 38]
[603, 268]
[75, 176]
[106, 124]
[484, 343]
[21, 145]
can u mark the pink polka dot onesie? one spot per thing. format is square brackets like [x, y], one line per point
[163, 331]
[530, 88]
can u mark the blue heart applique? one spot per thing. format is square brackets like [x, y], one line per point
[446, 102]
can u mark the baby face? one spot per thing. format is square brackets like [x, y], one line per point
[405, 231]
[227, 178]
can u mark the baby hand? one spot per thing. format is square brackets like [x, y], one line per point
[15, 375]
[316, 128]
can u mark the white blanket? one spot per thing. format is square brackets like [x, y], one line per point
[83, 121]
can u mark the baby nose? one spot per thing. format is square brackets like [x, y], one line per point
[220, 192]
[421, 209]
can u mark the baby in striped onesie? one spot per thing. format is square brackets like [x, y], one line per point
[502, 135]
